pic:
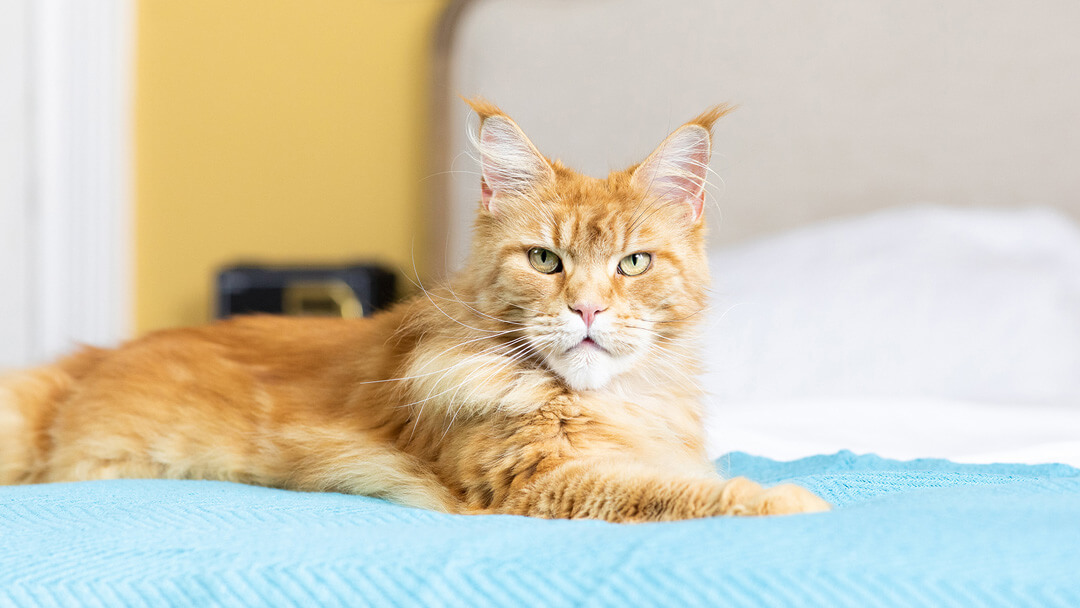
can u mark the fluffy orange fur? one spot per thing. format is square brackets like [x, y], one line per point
[495, 393]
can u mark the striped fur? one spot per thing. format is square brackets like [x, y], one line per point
[479, 396]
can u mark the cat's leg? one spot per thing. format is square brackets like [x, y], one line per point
[28, 402]
[745, 497]
[95, 469]
[622, 493]
[310, 460]
[330, 461]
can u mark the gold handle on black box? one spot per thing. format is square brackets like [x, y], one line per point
[329, 298]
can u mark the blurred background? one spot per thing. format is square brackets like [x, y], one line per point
[146, 144]
[893, 208]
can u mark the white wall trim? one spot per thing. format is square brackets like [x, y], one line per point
[81, 66]
[15, 306]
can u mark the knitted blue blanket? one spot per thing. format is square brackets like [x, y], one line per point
[920, 533]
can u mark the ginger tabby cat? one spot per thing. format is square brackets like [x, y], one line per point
[553, 377]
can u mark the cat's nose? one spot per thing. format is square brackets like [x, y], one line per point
[587, 311]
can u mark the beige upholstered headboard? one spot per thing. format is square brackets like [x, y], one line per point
[845, 105]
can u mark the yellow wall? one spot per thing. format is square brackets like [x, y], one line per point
[275, 130]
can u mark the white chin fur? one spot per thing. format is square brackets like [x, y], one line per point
[587, 368]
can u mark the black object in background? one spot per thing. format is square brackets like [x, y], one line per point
[335, 291]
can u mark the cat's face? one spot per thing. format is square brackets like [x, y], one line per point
[599, 277]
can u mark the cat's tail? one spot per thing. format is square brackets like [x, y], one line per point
[29, 402]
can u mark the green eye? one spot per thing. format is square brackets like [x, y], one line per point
[544, 260]
[635, 264]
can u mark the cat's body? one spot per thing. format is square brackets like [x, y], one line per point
[552, 378]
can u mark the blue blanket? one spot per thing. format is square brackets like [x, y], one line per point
[926, 532]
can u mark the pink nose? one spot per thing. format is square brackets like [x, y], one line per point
[587, 311]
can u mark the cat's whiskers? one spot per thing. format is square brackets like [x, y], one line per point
[435, 385]
[644, 195]
[648, 329]
[664, 356]
[427, 294]
[510, 355]
[543, 344]
[454, 171]
[450, 287]
[712, 320]
[433, 293]
[641, 209]
[509, 303]
[646, 212]
[456, 298]
[696, 312]
[523, 354]
[674, 342]
[513, 357]
[681, 356]
[432, 373]
[666, 381]
[655, 207]
[465, 361]
[491, 350]
[651, 329]
[669, 344]
[450, 172]
[657, 203]
[512, 185]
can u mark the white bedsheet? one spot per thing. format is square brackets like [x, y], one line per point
[971, 304]
[962, 431]
[915, 332]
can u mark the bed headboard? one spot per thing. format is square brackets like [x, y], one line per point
[845, 106]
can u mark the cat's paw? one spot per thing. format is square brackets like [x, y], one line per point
[745, 497]
[786, 499]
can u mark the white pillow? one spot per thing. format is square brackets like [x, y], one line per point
[913, 302]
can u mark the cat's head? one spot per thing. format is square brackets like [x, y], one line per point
[600, 276]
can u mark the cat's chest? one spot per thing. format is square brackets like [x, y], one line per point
[650, 429]
[489, 459]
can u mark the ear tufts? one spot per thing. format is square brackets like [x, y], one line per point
[483, 108]
[509, 163]
[709, 117]
[676, 171]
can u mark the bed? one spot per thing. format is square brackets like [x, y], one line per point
[928, 533]
[895, 324]
[951, 488]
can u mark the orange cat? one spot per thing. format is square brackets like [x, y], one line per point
[551, 378]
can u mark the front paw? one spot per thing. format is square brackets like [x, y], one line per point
[744, 497]
[786, 499]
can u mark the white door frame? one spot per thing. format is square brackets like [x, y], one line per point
[14, 184]
[72, 201]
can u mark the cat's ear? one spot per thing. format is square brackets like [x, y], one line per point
[677, 170]
[510, 164]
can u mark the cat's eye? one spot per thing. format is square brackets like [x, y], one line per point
[635, 264]
[544, 260]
